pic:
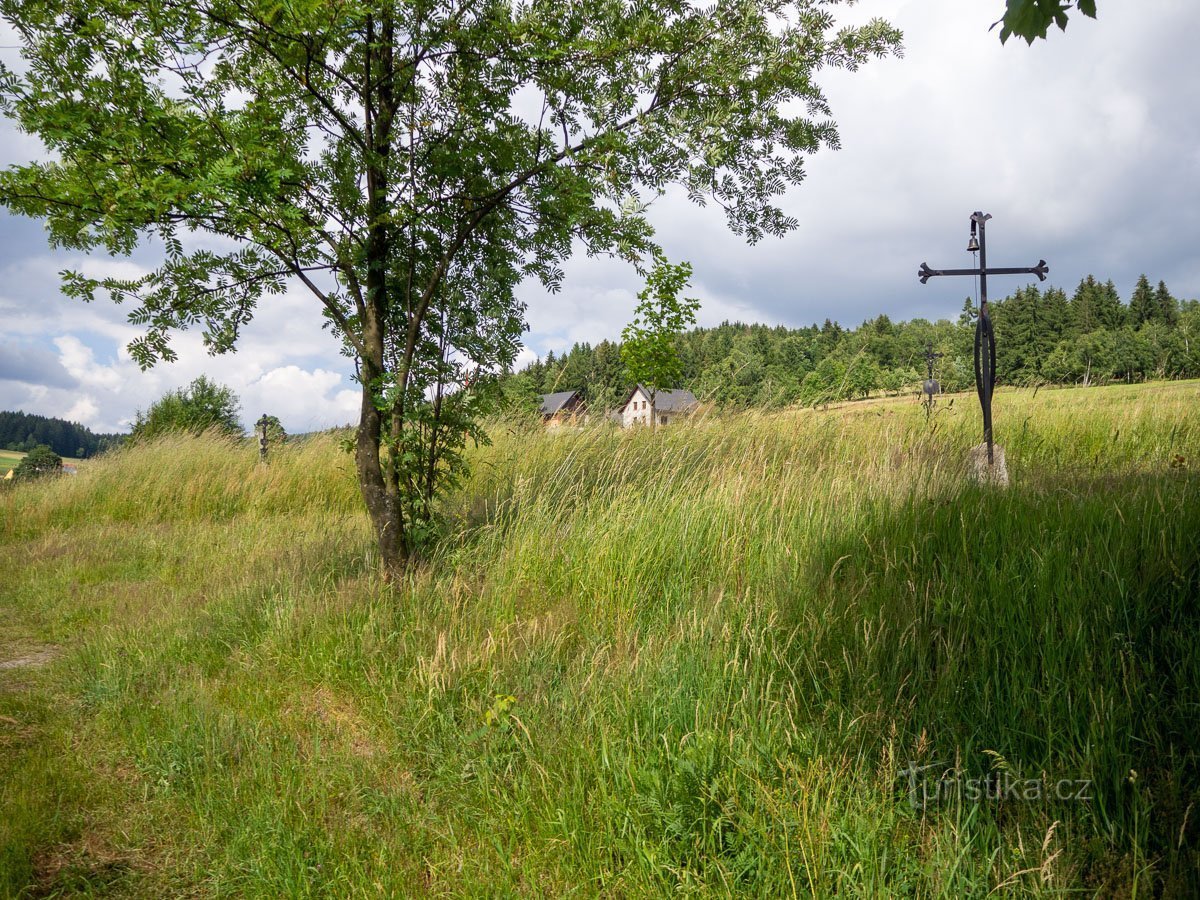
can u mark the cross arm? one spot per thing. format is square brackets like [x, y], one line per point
[1040, 270]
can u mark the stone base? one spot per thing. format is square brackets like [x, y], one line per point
[996, 473]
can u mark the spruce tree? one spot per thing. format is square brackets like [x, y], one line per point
[1084, 303]
[1166, 307]
[1142, 305]
[1110, 311]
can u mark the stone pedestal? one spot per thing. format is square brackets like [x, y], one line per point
[996, 473]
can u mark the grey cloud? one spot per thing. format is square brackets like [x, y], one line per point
[33, 365]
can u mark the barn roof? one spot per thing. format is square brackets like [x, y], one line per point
[677, 400]
[553, 403]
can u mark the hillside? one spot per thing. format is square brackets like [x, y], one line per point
[21, 431]
[1043, 337]
[767, 655]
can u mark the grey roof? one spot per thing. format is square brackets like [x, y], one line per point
[553, 403]
[677, 400]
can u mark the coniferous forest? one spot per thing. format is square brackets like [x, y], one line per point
[1091, 336]
[24, 431]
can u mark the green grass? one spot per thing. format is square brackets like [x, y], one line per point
[695, 661]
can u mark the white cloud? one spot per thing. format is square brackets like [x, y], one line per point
[83, 411]
[303, 400]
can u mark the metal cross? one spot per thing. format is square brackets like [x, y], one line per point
[985, 337]
[930, 388]
[930, 358]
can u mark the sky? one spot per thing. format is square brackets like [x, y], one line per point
[1085, 148]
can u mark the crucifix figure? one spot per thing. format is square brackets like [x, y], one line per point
[985, 338]
[930, 388]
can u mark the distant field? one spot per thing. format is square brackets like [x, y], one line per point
[798, 654]
[10, 458]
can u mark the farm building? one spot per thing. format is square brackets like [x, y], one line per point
[563, 408]
[668, 406]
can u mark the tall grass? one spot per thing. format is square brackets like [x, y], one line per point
[711, 659]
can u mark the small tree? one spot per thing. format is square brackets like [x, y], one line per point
[520, 396]
[275, 431]
[649, 343]
[39, 461]
[200, 406]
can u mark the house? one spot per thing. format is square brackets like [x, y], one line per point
[668, 406]
[563, 407]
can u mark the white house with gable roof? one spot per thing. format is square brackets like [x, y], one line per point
[668, 406]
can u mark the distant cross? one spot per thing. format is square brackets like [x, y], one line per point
[985, 337]
[262, 437]
[930, 388]
[930, 358]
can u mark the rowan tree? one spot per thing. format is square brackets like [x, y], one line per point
[408, 164]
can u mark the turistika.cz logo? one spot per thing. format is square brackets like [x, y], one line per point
[940, 783]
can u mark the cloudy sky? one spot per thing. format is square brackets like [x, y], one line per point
[1085, 148]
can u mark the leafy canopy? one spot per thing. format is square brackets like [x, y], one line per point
[201, 406]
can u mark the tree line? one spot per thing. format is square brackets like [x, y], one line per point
[1043, 336]
[24, 431]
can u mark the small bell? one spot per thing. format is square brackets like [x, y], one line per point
[973, 245]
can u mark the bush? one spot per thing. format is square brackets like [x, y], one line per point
[41, 460]
[201, 406]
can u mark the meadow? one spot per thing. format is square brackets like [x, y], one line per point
[798, 654]
[9, 459]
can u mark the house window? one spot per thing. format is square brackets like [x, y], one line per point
[663, 420]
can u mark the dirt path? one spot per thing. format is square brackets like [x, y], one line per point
[30, 658]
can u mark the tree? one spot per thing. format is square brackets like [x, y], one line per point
[1143, 307]
[1110, 311]
[409, 164]
[649, 345]
[1085, 315]
[199, 407]
[521, 396]
[1031, 19]
[39, 461]
[1166, 306]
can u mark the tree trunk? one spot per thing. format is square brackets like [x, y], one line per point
[380, 502]
[381, 499]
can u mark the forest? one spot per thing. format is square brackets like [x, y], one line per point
[1043, 337]
[24, 431]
